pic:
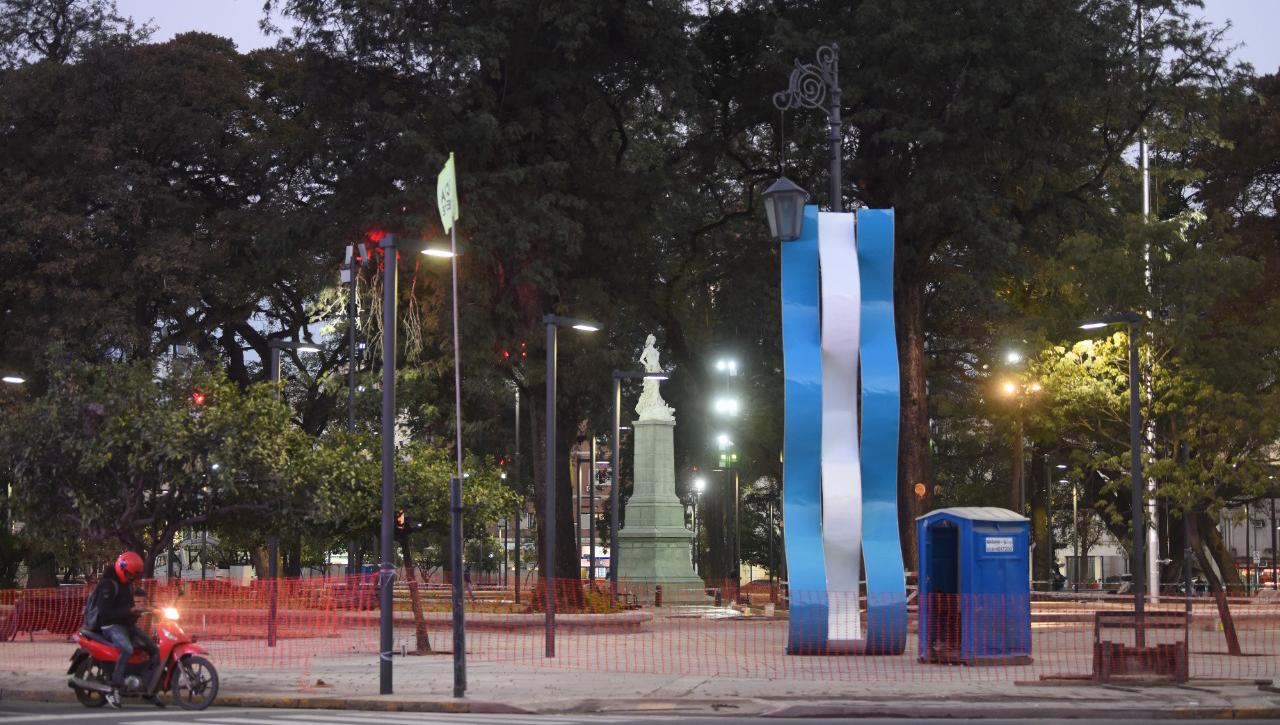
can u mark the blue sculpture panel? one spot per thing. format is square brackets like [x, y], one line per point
[802, 438]
[881, 545]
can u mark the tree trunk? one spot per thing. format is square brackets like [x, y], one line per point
[913, 431]
[42, 571]
[1209, 549]
[355, 557]
[568, 584]
[1215, 560]
[421, 641]
[258, 558]
[292, 551]
[1042, 556]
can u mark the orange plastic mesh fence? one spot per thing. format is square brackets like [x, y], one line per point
[967, 637]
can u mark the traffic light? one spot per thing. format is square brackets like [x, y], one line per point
[400, 520]
[197, 397]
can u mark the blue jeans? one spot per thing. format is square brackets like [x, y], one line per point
[123, 637]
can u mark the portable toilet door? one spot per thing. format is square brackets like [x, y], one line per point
[939, 599]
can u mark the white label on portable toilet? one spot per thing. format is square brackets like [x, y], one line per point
[999, 544]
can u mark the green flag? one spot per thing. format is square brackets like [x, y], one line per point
[447, 194]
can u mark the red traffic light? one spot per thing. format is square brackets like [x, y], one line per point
[197, 397]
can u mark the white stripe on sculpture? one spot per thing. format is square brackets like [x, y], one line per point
[841, 468]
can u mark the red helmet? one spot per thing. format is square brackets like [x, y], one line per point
[128, 566]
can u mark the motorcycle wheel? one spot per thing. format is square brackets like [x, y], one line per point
[90, 670]
[194, 683]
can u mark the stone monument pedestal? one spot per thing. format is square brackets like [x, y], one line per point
[655, 545]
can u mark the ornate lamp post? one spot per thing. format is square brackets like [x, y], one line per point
[817, 85]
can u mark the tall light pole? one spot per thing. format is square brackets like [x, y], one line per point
[357, 254]
[273, 541]
[1021, 393]
[727, 406]
[615, 508]
[553, 323]
[699, 486]
[591, 515]
[1132, 320]
[387, 567]
[518, 485]
[817, 85]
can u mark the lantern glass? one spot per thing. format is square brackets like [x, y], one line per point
[784, 206]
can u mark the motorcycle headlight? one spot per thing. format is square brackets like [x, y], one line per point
[171, 613]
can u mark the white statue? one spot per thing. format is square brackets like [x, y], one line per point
[651, 405]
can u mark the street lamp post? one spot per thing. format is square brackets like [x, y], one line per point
[1132, 320]
[699, 486]
[615, 508]
[386, 565]
[273, 541]
[519, 487]
[1017, 483]
[817, 85]
[553, 323]
[591, 515]
[357, 254]
[386, 551]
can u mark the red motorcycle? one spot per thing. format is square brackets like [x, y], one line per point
[183, 670]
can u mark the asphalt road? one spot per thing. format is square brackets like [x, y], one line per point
[20, 713]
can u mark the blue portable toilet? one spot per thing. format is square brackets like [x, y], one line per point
[975, 586]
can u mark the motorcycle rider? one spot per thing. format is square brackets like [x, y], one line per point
[110, 610]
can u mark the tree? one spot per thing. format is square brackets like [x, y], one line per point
[112, 456]
[61, 31]
[348, 499]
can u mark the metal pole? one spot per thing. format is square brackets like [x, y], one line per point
[737, 536]
[1135, 471]
[459, 616]
[351, 354]
[549, 499]
[1248, 549]
[693, 543]
[505, 555]
[455, 556]
[1187, 553]
[386, 569]
[273, 541]
[1275, 569]
[591, 515]
[519, 486]
[772, 573]
[351, 380]
[1015, 484]
[833, 131]
[1075, 532]
[615, 464]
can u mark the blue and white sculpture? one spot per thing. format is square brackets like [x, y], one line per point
[840, 478]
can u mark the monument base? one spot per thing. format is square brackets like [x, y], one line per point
[655, 548]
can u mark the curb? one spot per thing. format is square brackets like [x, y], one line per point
[1022, 712]
[304, 702]
[718, 706]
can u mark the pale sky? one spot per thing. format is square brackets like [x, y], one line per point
[1254, 23]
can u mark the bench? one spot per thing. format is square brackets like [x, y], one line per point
[1111, 659]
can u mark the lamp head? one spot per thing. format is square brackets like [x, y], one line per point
[784, 206]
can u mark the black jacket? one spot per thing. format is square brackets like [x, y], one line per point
[110, 603]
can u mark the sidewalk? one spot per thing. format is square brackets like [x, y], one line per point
[425, 684]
